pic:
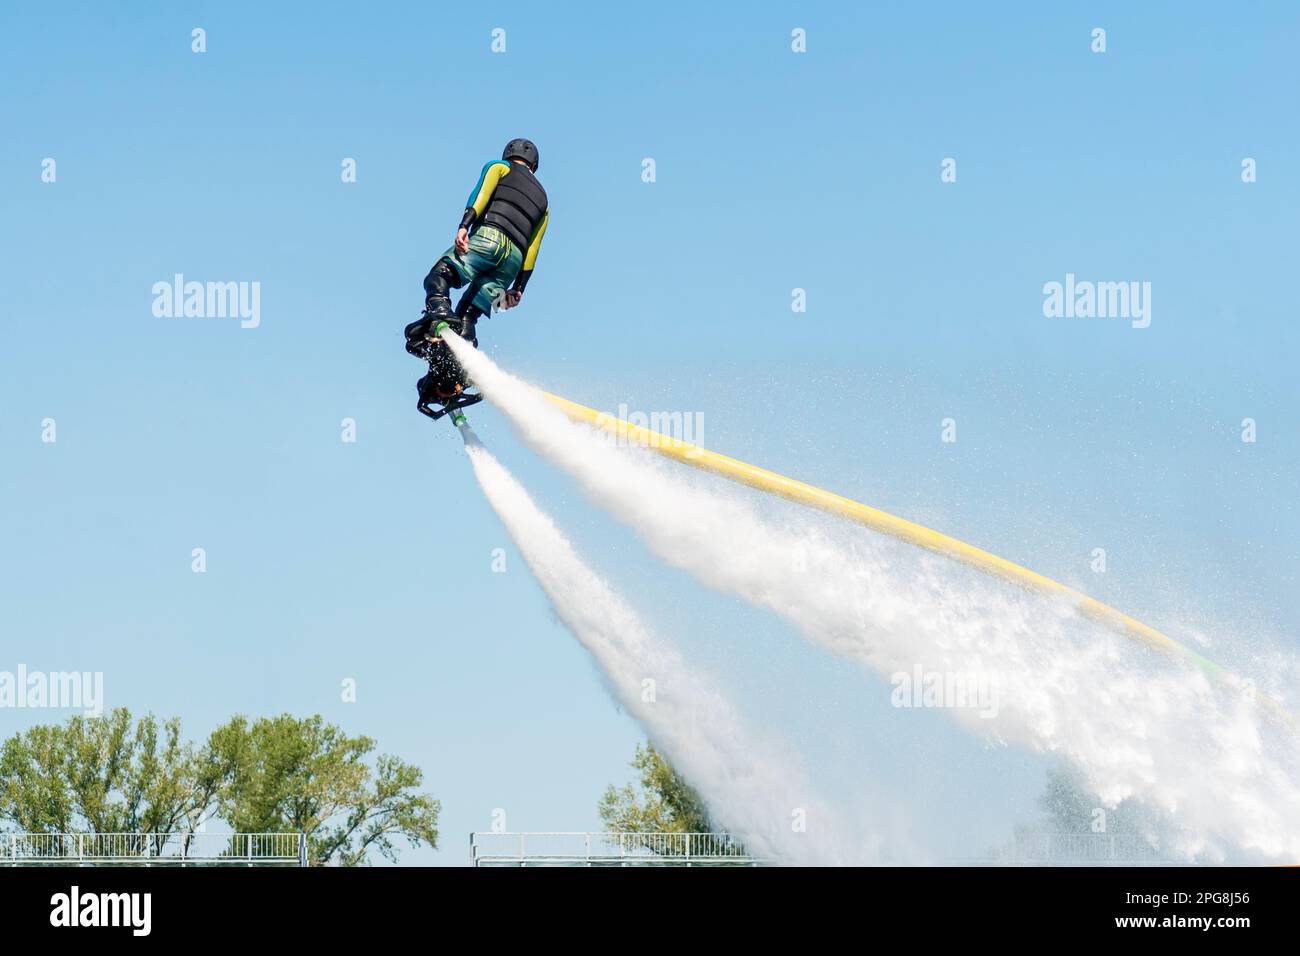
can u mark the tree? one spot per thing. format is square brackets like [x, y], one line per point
[1070, 807]
[1074, 827]
[307, 776]
[664, 803]
[113, 775]
[103, 775]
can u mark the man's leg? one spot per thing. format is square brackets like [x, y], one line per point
[470, 308]
[469, 315]
[442, 278]
[488, 288]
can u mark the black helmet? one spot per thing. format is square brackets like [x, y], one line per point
[521, 149]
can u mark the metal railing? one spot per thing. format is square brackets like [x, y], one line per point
[153, 849]
[1077, 849]
[720, 849]
[607, 849]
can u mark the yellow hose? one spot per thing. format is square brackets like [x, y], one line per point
[892, 525]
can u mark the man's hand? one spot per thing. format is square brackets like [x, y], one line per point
[462, 241]
[512, 298]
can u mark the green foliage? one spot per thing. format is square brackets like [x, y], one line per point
[102, 774]
[664, 803]
[1073, 825]
[308, 776]
[1070, 807]
[280, 774]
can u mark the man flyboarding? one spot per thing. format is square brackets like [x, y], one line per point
[494, 254]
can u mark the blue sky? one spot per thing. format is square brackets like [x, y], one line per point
[774, 171]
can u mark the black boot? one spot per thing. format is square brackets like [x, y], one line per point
[462, 323]
[417, 332]
[442, 278]
[468, 324]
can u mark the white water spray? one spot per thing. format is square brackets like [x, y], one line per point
[1224, 777]
[757, 792]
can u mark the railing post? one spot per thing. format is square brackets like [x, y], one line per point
[302, 849]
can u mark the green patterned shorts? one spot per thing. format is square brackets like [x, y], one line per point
[488, 268]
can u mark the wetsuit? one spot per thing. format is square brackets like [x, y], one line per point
[506, 215]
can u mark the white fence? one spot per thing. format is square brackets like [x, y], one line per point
[153, 849]
[719, 849]
[607, 849]
[1076, 849]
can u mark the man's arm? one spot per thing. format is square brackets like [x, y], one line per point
[530, 259]
[478, 200]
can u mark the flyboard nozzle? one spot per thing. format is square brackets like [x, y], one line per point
[466, 433]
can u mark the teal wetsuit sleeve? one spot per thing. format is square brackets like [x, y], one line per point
[481, 194]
